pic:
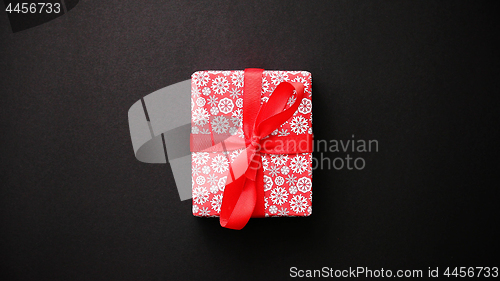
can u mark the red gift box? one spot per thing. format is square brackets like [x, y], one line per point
[217, 107]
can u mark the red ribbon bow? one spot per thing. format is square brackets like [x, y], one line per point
[244, 191]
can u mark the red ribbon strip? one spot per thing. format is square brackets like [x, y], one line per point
[244, 191]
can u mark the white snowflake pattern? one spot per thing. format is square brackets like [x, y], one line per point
[310, 168]
[304, 82]
[226, 105]
[196, 171]
[298, 164]
[278, 77]
[222, 183]
[239, 102]
[200, 158]
[291, 179]
[205, 131]
[235, 154]
[200, 195]
[278, 171]
[298, 204]
[214, 189]
[206, 91]
[212, 100]
[233, 130]
[236, 122]
[200, 101]
[216, 202]
[279, 181]
[200, 78]
[273, 171]
[279, 159]
[241, 134]
[299, 125]
[196, 209]
[285, 170]
[200, 180]
[220, 124]
[214, 110]
[279, 196]
[283, 133]
[200, 116]
[304, 184]
[220, 85]
[283, 212]
[237, 78]
[268, 183]
[205, 170]
[212, 179]
[219, 164]
[195, 130]
[265, 163]
[195, 92]
[237, 117]
[204, 212]
[265, 85]
[305, 106]
[234, 93]
[291, 100]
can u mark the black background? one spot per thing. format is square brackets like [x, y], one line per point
[421, 77]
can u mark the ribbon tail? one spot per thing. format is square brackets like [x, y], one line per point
[238, 203]
[259, 210]
[243, 196]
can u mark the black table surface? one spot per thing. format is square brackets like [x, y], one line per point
[420, 77]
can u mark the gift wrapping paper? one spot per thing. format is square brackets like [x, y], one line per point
[217, 105]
